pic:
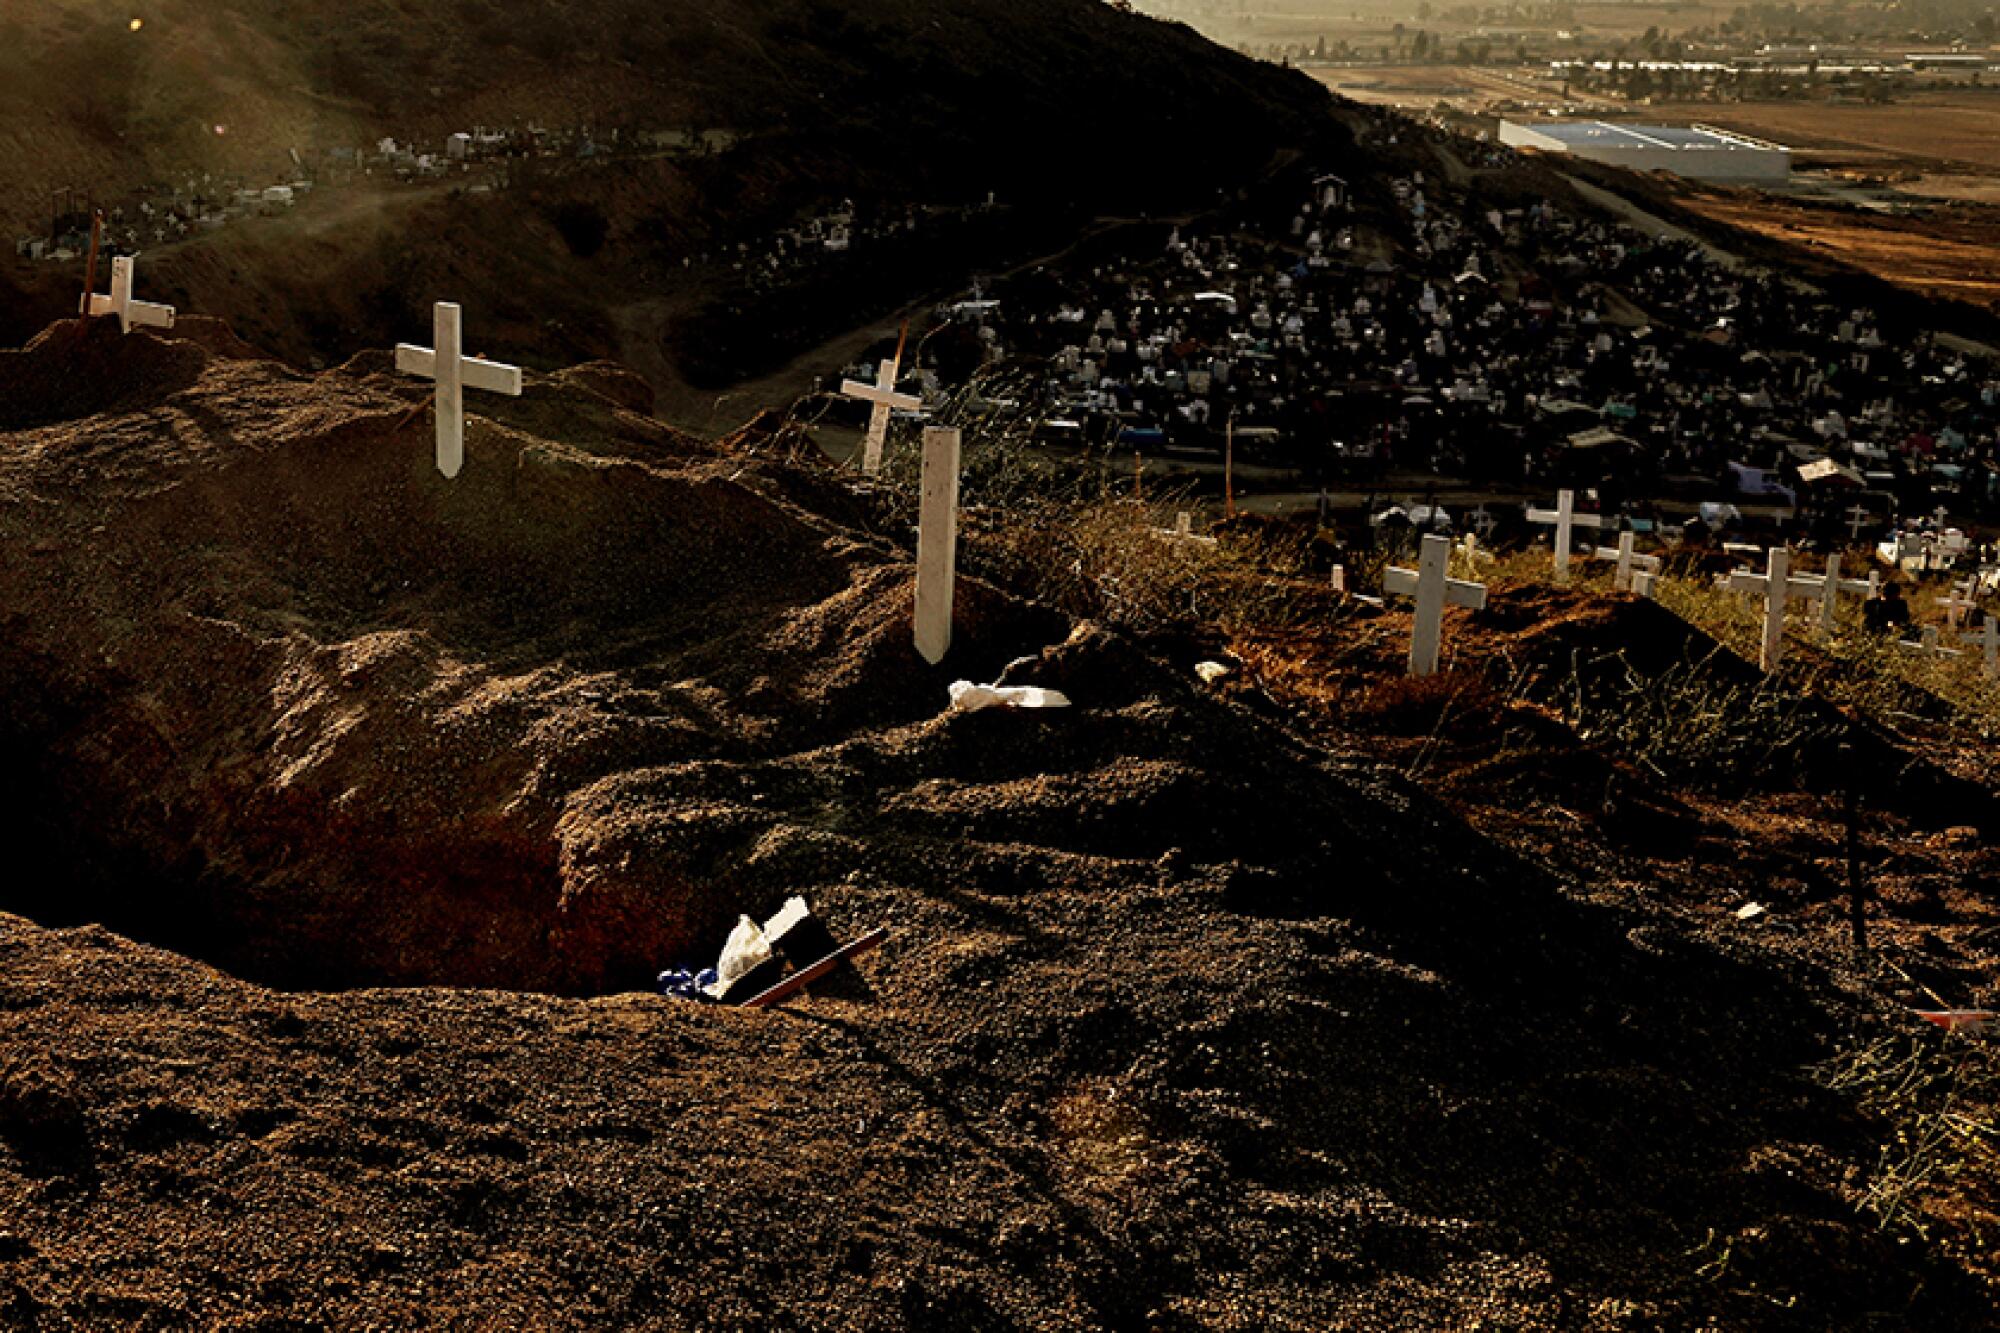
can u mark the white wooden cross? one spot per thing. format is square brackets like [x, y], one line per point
[455, 373]
[1987, 636]
[1183, 531]
[937, 542]
[1430, 584]
[1931, 644]
[1857, 519]
[1778, 586]
[121, 304]
[882, 393]
[1960, 601]
[1830, 585]
[1629, 564]
[1564, 516]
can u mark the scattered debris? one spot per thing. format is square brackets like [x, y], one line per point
[1952, 1020]
[969, 698]
[1751, 911]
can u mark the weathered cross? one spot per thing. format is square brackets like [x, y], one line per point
[1959, 602]
[1430, 584]
[1857, 519]
[1629, 564]
[937, 542]
[882, 393]
[455, 373]
[1830, 585]
[1564, 516]
[1987, 636]
[1183, 530]
[121, 304]
[1931, 644]
[1778, 586]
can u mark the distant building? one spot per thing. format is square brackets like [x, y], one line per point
[1699, 152]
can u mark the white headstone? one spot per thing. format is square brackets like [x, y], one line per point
[121, 304]
[882, 393]
[937, 542]
[454, 373]
[1564, 516]
[1432, 587]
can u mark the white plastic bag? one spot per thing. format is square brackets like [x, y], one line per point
[969, 698]
[746, 951]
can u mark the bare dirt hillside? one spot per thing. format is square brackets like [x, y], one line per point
[1059, 107]
[1195, 1016]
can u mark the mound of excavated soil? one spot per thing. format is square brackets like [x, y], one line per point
[1186, 1023]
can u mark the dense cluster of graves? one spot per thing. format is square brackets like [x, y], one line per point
[1415, 329]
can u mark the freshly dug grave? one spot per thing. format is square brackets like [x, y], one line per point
[1185, 1023]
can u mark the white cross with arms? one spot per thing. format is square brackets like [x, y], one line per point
[1564, 516]
[1778, 586]
[882, 393]
[121, 304]
[1430, 584]
[455, 373]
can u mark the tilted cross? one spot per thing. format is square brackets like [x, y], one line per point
[882, 393]
[121, 304]
[1629, 564]
[455, 373]
[1433, 588]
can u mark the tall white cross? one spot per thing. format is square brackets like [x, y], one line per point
[1987, 636]
[1431, 585]
[1629, 563]
[1778, 586]
[882, 393]
[937, 542]
[121, 304]
[455, 373]
[1564, 516]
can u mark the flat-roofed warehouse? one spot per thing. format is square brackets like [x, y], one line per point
[1700, 152]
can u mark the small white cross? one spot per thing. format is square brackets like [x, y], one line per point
[882, 393]
[1564, 516]
[1183, 531]
[1431, 586]
[1778, 586]
[1828, 587]
[121, 304]
[454, 373]
[1931, 645]
[1630, 564]
[1857, 519]
[1960, 601]
[1987, 636]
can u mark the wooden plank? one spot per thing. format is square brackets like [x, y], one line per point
[798, 981]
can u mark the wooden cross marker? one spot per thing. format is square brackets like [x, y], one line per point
[882, 393]
[1830, 585]
[1959, 602]
[1778, 586]
[1432, 587]
[1630, 563]
[1564, 516]
[121, 304]
[1857, 519]
[1931, 644]
[937, 542]
[455, 373]
[1183, 531]
[1987, 637]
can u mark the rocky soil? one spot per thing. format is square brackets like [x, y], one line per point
[1200, 1011]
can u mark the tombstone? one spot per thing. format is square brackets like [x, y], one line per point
[454, 373]
[882, 393]
[937, 542]
[1564, 516]
[1778, 587]
[1433, 588]
[1629, 562]
[121, 304]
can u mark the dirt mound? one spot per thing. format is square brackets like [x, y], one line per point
[1186, 1022]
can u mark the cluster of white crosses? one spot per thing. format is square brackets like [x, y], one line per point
[454, 372]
